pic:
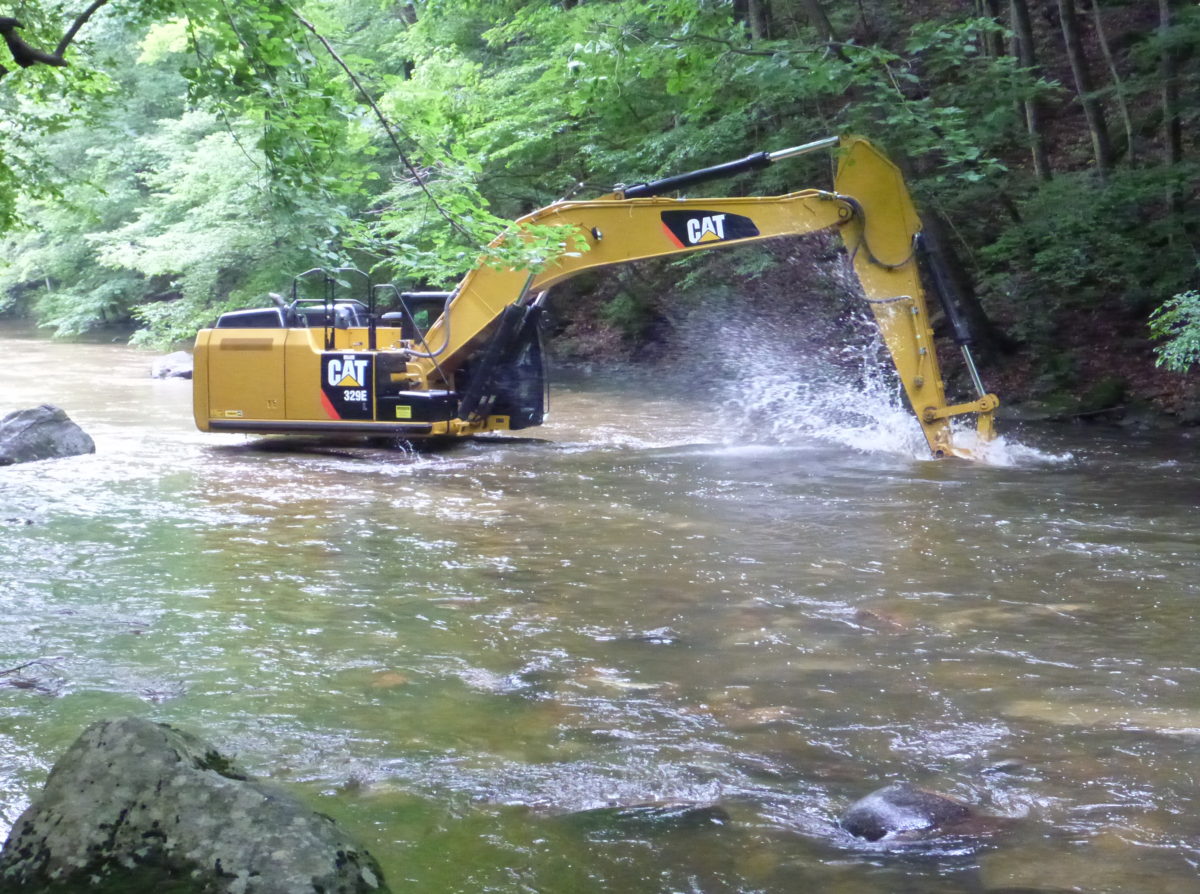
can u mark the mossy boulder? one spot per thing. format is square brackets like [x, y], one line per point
[139, 806]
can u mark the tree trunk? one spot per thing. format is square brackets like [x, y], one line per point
[819, 20]
[759, 29]
[754, 14]
[1032, 108]
[1093, 112]
[993, 42]
[1168, 70]
[1169, 76]
[1118, 84]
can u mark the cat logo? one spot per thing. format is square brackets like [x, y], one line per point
[706, 229]
[346, 372]
[688, 228]
[347, 385]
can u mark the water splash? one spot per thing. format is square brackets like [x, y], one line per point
[1006, 452]
[785, 392]
[782, 390]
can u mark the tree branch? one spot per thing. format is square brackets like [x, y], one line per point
[834, 46]
[678, 39]
[24, 54]
[45, 660]
[79, 22]
[387, 127]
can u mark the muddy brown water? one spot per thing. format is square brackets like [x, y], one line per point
[654, 600]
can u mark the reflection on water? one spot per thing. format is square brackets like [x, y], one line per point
[451, 650]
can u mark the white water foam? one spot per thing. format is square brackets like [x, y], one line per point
[786, 393]
[1005, 452]
[849, 396]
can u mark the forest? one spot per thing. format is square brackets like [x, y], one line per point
[162, 161]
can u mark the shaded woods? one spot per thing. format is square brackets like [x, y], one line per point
[193, 154]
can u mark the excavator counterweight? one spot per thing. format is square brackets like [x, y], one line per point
[470, 360]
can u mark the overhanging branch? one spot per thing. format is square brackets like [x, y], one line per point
[387, 127]
[79, 22]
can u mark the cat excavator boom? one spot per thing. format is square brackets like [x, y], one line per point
[470, 361]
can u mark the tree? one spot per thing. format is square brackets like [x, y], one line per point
[170, 234]
[1093, 112]
[1031, 105]
[1118, 85]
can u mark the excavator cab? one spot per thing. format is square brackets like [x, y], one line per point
[340, 315]
[471, 360]
[418, 312]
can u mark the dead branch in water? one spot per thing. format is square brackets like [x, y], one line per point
[43, 661]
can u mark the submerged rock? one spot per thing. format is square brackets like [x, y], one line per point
[42, 432]
[643, 819]
[904, 810]
[139, 806]
[173, 366]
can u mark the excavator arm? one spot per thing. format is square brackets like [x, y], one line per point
[460, 375]
[870, 207]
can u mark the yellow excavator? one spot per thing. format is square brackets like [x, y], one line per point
[452, 364]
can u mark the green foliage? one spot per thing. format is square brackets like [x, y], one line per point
[169, 214]
[1177, 324]
[940, 97]
[507, 106]
[629, 313]
[196, 153]
[1083, 242]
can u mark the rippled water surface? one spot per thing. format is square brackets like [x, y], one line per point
[452, 652]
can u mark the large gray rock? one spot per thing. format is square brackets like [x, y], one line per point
[139, 806]
[173, 366]
[42, 432]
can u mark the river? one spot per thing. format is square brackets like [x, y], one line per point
[451, 652]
